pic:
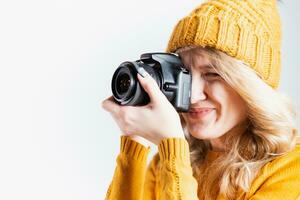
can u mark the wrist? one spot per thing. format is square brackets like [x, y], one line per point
[140, 140]
[179, 135]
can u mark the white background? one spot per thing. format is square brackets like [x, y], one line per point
[56, 63]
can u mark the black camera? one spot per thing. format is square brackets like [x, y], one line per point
[167, 70]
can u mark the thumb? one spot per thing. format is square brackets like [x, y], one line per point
[150, 86]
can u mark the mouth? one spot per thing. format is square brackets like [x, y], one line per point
[199, 112]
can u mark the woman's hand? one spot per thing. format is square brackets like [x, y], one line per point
[155, 121]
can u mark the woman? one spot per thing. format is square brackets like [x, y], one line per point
[239, 138]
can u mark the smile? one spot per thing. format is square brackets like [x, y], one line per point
[200, 113]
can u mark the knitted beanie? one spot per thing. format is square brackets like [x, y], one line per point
[249, 30]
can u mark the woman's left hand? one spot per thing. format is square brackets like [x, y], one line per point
[155, 121]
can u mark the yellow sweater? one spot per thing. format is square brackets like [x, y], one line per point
[169, 175]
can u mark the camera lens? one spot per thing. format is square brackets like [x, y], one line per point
[123, 83]
[126, 88]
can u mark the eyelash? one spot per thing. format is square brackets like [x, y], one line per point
[211, 74]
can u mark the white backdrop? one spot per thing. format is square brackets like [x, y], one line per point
[56, 62]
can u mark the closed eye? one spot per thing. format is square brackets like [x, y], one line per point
[211, 74]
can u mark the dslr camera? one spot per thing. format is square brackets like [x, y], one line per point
[166, 69]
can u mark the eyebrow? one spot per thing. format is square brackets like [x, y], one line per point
[203, 67]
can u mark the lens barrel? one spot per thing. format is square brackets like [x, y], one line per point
[125, 86]
[123, 82]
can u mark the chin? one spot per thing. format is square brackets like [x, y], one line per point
[201, 134]
[204, 132]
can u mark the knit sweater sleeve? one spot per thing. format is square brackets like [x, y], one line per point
[129, 175]
[169, 175]
[174, 175]
[279, 179]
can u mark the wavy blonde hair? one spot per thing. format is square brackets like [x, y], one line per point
[271, 130]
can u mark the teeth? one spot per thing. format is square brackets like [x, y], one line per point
[201, 111]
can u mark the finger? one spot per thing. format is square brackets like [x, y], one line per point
[110, 105]
[150, 86]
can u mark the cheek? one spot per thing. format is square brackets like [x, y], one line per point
[232, 110]
[235, 106]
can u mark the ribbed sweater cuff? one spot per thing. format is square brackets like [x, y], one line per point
[133, 149]
[174, 148]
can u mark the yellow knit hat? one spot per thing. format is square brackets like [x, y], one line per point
[249, 30]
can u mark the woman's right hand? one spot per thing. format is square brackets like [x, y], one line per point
[135, 138]
[155, 121]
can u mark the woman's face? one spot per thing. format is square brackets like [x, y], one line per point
[215, 108]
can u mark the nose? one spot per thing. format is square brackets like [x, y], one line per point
[198, 92]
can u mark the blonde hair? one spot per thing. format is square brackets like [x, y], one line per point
[270, 133]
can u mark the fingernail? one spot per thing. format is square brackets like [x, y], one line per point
[142, 72]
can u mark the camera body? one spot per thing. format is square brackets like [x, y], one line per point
[167, 70]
